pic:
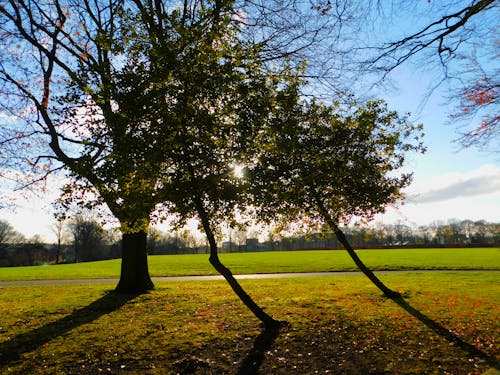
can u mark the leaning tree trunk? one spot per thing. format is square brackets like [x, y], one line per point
[374, 279]
[266, 319]
[357, 260]
[134, 276]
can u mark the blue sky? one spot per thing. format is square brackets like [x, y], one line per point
[450, 182]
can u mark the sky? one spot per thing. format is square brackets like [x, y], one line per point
[450, 182]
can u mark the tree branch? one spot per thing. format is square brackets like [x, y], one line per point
[435, 32]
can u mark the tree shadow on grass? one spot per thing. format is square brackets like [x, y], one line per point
[12, 349]
[263, 343]
[447, 334]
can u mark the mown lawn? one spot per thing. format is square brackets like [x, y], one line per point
[339, 325]
[271, 262]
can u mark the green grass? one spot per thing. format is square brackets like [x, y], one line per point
[342, 325]
[270, 262]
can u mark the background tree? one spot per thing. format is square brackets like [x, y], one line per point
[328, 164]
[88, 239]
[33, 250]
[7, 232]
[59, 228]
[155, 241]
[10, 240]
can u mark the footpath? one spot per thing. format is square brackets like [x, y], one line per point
[219, 277]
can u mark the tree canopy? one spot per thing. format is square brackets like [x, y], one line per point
[327, 164]
[346, 161]
[145, 105]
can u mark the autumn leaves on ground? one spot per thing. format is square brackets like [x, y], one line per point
[338, 325]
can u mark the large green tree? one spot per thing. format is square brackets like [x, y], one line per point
[228, 97]
[129, 98]
[328, 164]
[67, 72]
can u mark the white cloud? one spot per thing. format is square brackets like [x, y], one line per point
[483, 181]
[472, 195]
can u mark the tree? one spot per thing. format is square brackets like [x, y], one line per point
[10, 239]
[59, 229]
[7, 233]
[327, 164]
[114, 92]
[88, 239]
[155, 102]
[70, 86]
[212, 142]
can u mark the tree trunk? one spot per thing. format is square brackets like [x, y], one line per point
[343, 240]
[134, 277]
[374, 279]
[266, 319]
[58, 252]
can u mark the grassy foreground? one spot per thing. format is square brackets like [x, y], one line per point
[339, 325]
[271, 262]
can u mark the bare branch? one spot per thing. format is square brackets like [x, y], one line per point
[435, 32]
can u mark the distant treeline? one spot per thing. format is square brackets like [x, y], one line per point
[85, 240]
[466, 233]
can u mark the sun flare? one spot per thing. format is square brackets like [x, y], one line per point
[238, 170]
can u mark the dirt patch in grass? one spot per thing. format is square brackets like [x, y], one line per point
[340, 327]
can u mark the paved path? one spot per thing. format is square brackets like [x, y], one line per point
[218, 277]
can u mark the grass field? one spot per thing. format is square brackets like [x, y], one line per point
[271, 262]
[339, 325]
